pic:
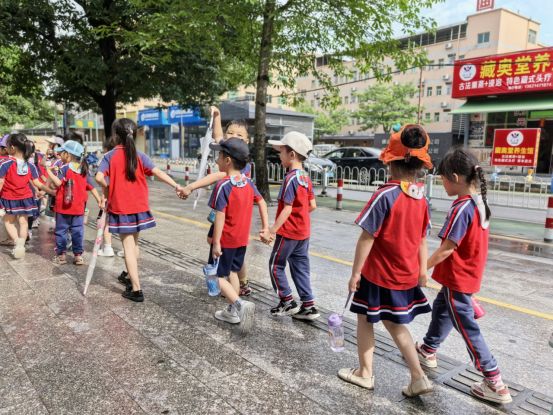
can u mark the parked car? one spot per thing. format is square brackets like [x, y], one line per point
[321, 149]
[315, 165]
[352, 160]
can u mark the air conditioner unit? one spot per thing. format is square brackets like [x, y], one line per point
[353, 89]
[445, 77]
[448, 45]
[443, 104]
[316, 94]
[422, 80]
[350, 132]
[396, 83]
[280, 106]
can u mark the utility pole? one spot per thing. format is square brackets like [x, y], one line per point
[420, 98]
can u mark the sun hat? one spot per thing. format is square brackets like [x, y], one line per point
[55, 140]
[72, 147]
[4, 140]
[296, 141]
[395, 150]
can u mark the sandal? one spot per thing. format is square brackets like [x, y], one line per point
[78, 260]
[19, 250]
[60, 260]
[347, 375]
[420, 387]
[7, 242]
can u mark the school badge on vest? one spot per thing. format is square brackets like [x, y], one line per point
[22, 168]
[303, 178]
[414, 190]
[239, 180]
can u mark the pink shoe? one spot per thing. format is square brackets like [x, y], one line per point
[479, 311]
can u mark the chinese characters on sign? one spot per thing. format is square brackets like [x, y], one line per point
[526, 71]
[484, 5]
[516, 147]
[85, 124]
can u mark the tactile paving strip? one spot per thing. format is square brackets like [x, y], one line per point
[449, 372]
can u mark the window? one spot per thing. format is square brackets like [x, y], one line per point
[429, 91]
[413, 70]
[281, 101]
[441, 64]
[345, 100]
[438, 91]
[232, 95]
[335, 79]
[318, 102]
[341, 79]
[448, 89]
[313, 83]
[312, 103]
[352, 99]
[532, 36]
[427, 116]
[483, 37]
[451, 59]
[335, 154]
[431, 66]
[352, 121]
[446, 117]
[250, 96]
[461, 56]
[303, 92]
[269, 99]
[358, 120]
[355, 76]
[436, 117]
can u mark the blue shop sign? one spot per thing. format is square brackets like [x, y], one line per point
[187, 116]
[152, 117]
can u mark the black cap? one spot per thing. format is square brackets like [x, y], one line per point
[234, 147]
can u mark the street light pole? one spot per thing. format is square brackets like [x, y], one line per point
[420, 98]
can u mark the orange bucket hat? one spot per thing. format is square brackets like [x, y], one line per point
[395, 150]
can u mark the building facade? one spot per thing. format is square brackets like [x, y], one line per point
[488, 33]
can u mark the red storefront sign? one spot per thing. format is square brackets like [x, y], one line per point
[521, 72]
[484, 5]
[515, 147]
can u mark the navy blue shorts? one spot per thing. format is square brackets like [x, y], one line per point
[231, 260]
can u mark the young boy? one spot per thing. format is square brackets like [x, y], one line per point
[233, 199]
[292, 229]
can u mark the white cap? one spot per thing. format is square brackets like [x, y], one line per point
[296, 141]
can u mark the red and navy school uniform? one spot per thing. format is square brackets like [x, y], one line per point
[398, 216]
[461, 275]
[41, 172]
[292, 239]
[245, 171]
[17, 197]
[56, 163]
[129, 209]
[101, 211]
[2, 160]
[234, 196]
[70, 216]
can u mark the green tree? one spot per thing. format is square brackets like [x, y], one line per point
[30, 110]
[77, 50]
[385, 106]
[326, 123]
[283, 37]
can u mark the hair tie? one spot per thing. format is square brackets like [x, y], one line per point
[408, 156]
[476, 167]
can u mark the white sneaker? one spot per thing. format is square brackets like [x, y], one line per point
[246, 314]
[486, 391]
[226, 315]
[425, 358]
[30, 234]
[42, 208]
[121, 254]
[36, 222]
[19, 250]
[106, 252]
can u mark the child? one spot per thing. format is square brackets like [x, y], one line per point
[3, 150]
[109, 145]
[129, 211]
[460, 263]
[52, 158]
[72, 181]
[233, 198]
[73, 136]
[390, 260]
[38, 194]
[17, 197]
[292, 229]
[236, 128]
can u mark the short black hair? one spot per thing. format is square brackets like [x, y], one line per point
[413, 137]
[300, 157]
[109, 143]
[238, 164]
[240, 122]
[409, 168]
[73, 137]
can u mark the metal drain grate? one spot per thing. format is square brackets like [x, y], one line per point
[449, 372]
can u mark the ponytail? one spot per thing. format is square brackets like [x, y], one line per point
[37, 160]
[84, 166]
[483, 190]
[125, 130]
[29, 150]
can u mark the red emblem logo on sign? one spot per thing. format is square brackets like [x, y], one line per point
[484, 5]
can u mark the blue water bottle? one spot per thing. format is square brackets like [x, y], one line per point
[211, 217]
[211, 279]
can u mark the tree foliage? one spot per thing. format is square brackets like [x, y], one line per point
[326, 123]
[385, 106]
[78, 50]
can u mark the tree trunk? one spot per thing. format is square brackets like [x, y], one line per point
[108, 105]
[261, 179]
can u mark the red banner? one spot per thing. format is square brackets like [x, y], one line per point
[484, 5]
[521, 72]
[515, 147]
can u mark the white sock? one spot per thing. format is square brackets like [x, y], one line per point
[107, 246]
[232, 309]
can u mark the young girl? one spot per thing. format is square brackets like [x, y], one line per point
[38, 194]
[390, 260]
[236, 128]
[460, 263]
[107, 250]
[53, 158]
[17, 197]
[73, 183]
[129, 211]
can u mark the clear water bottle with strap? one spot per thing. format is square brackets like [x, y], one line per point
[336, 329]
[211, 279]
[68, 196]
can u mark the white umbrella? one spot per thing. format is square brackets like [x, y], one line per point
[207, 140]
[97, 243]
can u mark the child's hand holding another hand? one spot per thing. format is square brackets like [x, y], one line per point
[423, 279]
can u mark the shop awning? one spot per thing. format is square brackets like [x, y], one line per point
[506, 104]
